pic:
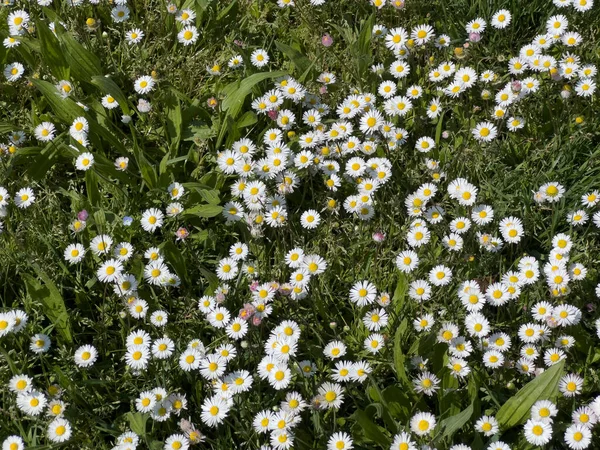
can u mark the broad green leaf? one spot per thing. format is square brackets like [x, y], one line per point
[301, 63]
[84, 64]
[65, 108]
[173, 256]
[399, 358]
[371, 430]
[42, 160]
[67, 111]
[6, 127]
[147, 170]
[137, 422]
[109, 87]
[363, 46]
[204, 211]
[51, 51]
[91, 186]
[54, 305]
[450, 425]
[400, 292]
[235, 97]
[249, 118]
[545, 386]
[9, 361]
[210, 196]
[174, 122]
[227, 10]
[438, 128]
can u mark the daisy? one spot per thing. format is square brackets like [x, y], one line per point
[279, 377]
[487, 425]
[334, 350]
[578, 436]
[331, 394]
[120, 13]
[144, 84]
[407, 261]
[214, 411]
[363, 293]
[24, 198]
[59, 430]
[45, 131]
[85, 356]
[259, 58]
[20, 383]
[13, 442]
[152, 219]
[110, 271]
[422, 34]
[476, 26]
[426, 383]
[424, 323]
[74, 253]
[485, 131]
[537, 433]
[403, 441]
[440, 275]
[458, 367]
[109, 102]
[501, 19]
[396, 39]
[422, 423]
[188, 35]
[31, 403]
[163, 348]
[310, 219]
[339, 441]
[40, 343]
[134, 36]
[13, 71]
[570, 385]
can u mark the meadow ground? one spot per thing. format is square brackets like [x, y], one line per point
[299, 224]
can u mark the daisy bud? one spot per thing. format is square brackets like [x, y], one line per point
[474, 37]
[379, 236]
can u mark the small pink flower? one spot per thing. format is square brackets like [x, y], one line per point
[379, 236]
[256, 321]
[247, 311]
[516, 86]
[273, 114]
[212, 102]
[445, 135]
[82, 215]
[323, 90]
[327, 40]
[182, 233]
[254, 286]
